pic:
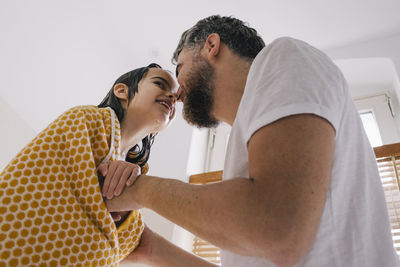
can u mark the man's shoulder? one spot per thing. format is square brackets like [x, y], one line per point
[278, 52]
[285, 40]
[289, 45]
[282, 46]
[288, 50]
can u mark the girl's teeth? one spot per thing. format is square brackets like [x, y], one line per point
[164, 104]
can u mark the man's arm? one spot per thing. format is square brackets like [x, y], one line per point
[275, 214]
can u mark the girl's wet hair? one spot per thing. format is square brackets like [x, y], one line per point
[137, 155]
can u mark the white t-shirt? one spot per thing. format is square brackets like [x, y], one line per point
[291, 77]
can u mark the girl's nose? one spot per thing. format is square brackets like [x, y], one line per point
[173, 96]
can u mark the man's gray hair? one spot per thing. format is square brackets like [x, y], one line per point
[237, 35]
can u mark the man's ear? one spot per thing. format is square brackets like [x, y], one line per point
[212, 45]
[121, 91]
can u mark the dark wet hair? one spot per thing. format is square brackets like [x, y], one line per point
[137, 155]
[239, 37]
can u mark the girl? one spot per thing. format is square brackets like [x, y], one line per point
[51, 207]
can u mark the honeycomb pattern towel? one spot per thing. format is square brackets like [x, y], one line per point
[51, 208]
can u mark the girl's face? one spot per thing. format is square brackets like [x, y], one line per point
[154, 103]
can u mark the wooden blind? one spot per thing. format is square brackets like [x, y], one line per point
[203, 248]
[388, 160]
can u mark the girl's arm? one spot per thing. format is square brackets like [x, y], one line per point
[155, 250]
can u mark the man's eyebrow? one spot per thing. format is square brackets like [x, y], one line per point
[163, 79]
[176, 70]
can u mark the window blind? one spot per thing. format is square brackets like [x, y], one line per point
[203, 248]
[388, 160]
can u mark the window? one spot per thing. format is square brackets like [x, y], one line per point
[203, 248]
[378, 116]
[217, 144]
[371, 127]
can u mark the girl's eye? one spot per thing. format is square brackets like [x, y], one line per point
[159, 84]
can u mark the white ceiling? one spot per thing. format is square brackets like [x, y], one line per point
[58, 54]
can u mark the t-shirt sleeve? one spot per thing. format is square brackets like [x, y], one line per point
[290, 77]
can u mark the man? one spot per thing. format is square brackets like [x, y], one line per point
[301, 186]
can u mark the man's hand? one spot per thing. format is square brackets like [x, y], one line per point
[118, 174]
[129, 200]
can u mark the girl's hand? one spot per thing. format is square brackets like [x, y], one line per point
[118, 174]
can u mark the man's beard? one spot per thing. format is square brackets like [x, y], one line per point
[198, 100]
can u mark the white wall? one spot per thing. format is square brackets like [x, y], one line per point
[14, 135]
[387, 47]
[372, 68]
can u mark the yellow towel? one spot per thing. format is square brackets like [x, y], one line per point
[51, 208]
